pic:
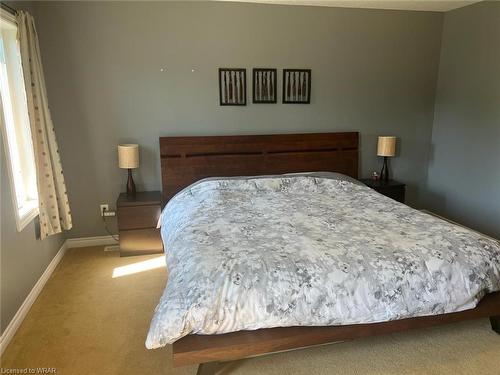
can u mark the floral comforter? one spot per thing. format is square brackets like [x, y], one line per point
[303, 250]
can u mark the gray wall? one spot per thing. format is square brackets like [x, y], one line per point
[23, 259]
[374, 71]
[464, 170]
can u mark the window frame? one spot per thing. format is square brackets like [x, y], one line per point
[28, 209]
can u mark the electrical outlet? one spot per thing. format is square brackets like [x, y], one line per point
[104, 208]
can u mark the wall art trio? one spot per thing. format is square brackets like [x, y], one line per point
[296, 86]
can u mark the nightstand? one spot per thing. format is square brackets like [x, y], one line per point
[391, 188]
[137, 220]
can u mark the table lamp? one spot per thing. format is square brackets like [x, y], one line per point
[386, 148]
[128, 158]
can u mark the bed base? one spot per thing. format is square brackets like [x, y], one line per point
[209, 350]
[495, 323]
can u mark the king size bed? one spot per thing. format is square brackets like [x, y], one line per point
[266, 255]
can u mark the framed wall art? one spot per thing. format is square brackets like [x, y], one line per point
[233, 86]
[297, 86]
[264, 85]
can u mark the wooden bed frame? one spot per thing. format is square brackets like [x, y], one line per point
[185, 160]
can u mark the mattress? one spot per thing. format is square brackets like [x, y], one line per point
[310, 250]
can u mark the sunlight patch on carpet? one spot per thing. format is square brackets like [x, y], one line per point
[145, 265]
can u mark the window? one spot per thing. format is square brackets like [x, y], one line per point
[16, 131]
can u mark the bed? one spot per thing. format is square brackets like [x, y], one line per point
[279, 262]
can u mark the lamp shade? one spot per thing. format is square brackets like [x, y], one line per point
[128, 156]
[386, 146]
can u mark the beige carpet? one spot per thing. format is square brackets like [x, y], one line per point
[87, 322]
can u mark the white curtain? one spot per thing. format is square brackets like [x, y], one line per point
[55, 214]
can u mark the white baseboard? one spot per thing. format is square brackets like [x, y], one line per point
[16, 321]
[90, 241]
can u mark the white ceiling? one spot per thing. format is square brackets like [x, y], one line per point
[422, 5]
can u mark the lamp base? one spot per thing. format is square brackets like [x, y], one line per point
[130, 184]
[384, 173]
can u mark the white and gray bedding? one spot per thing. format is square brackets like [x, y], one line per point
[310, 250]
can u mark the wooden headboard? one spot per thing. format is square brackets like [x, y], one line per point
[185, 160]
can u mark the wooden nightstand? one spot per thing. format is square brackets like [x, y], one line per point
[391, 188]
[137, 220]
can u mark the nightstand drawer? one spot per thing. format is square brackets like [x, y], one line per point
[138, 217]
[392, 189]
[397, 193]
[140, 241]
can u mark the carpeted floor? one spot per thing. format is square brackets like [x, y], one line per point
[88, 322]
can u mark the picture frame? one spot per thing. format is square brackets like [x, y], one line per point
[264, 85]
[296, 86]
[233, 86]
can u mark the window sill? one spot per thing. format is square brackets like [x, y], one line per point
[26, 214]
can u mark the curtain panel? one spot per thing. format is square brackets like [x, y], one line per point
[55, 214]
